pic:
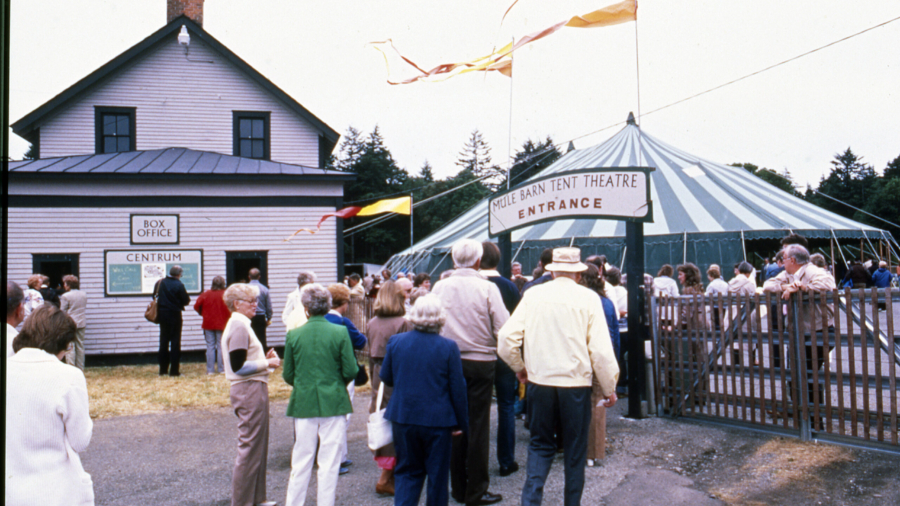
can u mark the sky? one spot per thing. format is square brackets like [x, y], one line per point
[578, 84]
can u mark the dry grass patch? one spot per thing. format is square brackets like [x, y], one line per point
[782, 463]
[135, 390]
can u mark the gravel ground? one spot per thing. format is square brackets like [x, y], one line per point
[186, 457]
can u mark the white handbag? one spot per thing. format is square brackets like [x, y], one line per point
[379, 428]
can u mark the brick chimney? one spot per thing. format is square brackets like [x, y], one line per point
[190, 8]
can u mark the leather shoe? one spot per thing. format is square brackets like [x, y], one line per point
[506, 471]
[486, 498]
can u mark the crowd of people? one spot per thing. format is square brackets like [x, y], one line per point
[550, 345]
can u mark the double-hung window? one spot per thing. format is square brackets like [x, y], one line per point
[251, 134]
[114, 129]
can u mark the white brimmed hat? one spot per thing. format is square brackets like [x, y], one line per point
[566, 260]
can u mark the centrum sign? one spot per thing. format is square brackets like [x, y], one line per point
[619, 193]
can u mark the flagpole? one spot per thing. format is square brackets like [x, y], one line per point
[637, 68]
[411, 244]
[504, 242]
[509, 130]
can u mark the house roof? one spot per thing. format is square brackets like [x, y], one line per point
[171, 162]
[26, 125]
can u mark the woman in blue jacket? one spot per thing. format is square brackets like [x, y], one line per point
[428, 406]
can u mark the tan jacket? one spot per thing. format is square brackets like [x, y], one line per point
[74, 304]
[563, 328]
[742, 285]
[475, 313]
[807, 278]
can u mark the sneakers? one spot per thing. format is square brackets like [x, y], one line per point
[344, 470]
[347, 463]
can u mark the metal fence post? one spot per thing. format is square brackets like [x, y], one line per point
[799, 373]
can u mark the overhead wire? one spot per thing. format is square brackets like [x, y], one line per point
[547, 151]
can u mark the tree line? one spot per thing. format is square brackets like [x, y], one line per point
[849, 180]
[861, 191]
[378, 176]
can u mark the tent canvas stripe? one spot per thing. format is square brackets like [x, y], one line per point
[674, 195]
[716, 201]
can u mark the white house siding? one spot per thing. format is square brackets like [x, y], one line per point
[117, 324]
[182, 103]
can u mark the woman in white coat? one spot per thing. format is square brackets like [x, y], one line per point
[47, 417]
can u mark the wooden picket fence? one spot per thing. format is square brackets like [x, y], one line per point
[780, 365]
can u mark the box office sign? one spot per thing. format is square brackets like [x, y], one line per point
[135, 272]
[620, 193]
[154, 229]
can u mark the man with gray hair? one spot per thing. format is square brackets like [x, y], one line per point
[172, 297]
[475, 313]
[801, 275]
[294, 315]
[15, 313]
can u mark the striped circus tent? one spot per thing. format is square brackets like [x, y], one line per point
[704, 212]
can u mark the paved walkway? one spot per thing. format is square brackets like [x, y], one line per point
[185, 458]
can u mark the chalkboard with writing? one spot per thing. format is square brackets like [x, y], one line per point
[191, 276]
[124, 278]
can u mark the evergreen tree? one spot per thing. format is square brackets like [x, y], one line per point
[426, 174]
[850, 181]
[532, 159]
[377, 176]
[893, 169]
[476, 157]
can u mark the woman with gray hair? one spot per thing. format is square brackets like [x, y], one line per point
[318, 364]
[428, 407]
[247, 367]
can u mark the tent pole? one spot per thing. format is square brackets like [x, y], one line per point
[439, 262]
[839, 247]
[517, 251]
[889, 246]
[622, 263]
[684, 259]
[572, 241]
[833, 262]
[743, 245]
[870, 245]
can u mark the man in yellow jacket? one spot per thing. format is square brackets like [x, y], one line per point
[562, 327]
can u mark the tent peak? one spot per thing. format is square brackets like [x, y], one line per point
[571, 147]
[631, 120]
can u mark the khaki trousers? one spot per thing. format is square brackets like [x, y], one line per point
[75, 356]
[250, 400]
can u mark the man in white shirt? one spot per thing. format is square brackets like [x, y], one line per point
[294, 315]
[566, 341]
[15, 313]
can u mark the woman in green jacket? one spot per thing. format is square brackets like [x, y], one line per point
[318, 364]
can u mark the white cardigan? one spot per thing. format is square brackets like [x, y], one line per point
[47, 424]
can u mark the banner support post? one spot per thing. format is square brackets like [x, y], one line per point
[637, 335]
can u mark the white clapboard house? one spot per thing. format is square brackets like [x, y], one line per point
[175, 152]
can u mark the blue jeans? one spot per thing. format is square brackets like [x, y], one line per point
[213, 350]
[548, 407]
[506, 384]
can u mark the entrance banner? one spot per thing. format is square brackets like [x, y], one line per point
[612, 193]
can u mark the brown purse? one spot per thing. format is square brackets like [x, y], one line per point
[152, 312]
